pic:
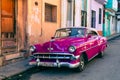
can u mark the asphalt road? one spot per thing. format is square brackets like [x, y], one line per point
[106, 68]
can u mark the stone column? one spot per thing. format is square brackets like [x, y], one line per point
[0, 28]
[89, 13]
[1, 56]
[64, 13]
[78, 12]
[70, 13]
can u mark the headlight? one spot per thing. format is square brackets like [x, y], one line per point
[32, 48]
[72, 48]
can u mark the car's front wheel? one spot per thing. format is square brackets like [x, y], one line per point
[81, 66]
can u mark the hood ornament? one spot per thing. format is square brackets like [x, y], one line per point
[50, 49]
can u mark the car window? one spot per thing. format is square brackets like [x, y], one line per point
[62, 33]
[76, 32]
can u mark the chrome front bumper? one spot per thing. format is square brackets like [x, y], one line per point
[55, 64]
[55, 56]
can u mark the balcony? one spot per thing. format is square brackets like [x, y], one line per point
[112, 5]
[118, 12]
[102, 1]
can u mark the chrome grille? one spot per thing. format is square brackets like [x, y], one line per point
[53, 56]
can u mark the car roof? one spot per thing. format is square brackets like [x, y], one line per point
[78, 27]
[71, 28]
[93, 29]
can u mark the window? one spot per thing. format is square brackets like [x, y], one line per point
[100, 15]
[84, 13]
[50, 13]
[93, 19]
[70, 32]
[84, 5]
[69, 12]
[119, 6]
[113, 18]
[84, 18]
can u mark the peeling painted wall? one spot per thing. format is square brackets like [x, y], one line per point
[34, 20]
[0, 26]
[39, 30]
[31, 22]
[20, 23]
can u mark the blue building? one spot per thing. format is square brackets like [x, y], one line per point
[118, 17]
[109, 26]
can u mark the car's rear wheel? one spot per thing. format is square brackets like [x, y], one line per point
[101, 54]
[81, 66]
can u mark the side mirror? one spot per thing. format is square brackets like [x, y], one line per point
[89, 36]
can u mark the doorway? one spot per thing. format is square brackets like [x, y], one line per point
[8, 27]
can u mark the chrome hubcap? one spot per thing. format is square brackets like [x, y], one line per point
[82, 63]
[102, 53]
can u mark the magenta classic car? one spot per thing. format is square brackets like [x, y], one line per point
[70, 47]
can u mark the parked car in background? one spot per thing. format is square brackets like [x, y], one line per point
[70, 47]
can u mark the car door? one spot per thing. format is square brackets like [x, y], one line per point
[93, 43]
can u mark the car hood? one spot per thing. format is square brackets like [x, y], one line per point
[61, 44]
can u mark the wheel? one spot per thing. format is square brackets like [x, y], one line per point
[101, 54]
[81, 66]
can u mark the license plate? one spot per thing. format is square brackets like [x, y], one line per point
[47, 64]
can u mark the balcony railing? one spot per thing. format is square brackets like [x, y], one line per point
[102, 1]
[8, 43]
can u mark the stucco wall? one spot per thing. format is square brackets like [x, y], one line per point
[95, 6]
[64, 13]
[78, 12]
[20, 27]
[0, 27]
[39, 30]
[89, 13]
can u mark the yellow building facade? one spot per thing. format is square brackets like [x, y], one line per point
[26, 22]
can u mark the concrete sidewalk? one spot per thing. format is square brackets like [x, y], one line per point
[22, 65]
[14, 68]
[113, 36]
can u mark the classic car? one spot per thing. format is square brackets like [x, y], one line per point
[70, 47]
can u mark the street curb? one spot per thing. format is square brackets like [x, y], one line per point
[113, 37]
[18, 73]
[6, 72]
[4, 77]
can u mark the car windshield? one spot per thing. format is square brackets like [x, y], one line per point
[69, 32]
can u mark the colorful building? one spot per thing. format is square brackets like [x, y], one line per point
[74, 13]
[83, 13]
[118, 17]
[26, 22]
[109, 26]
[97, 10]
